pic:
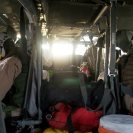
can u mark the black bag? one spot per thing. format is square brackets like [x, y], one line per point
[64, 86]
[110, 100]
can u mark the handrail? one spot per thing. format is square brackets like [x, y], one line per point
[100, 14]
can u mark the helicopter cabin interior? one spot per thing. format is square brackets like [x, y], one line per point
[69, 53]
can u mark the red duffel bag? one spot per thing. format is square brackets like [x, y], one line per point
[82, 119]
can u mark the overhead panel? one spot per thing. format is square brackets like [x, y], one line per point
[70, 18]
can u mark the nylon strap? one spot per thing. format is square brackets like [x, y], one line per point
[83, 88]
[70, 124]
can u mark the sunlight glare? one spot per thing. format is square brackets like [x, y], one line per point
[62, 49]
[80, 49]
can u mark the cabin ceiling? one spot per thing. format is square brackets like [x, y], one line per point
[69, 18]
[72, 18]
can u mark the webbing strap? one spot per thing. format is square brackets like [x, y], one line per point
[112, 88]
[83, 88]
[28, 88]
[70, 124]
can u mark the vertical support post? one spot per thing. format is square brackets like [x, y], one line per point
[107, 39]
[112, 36]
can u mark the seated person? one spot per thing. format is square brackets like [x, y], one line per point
[10, 67]
[127, 79]
[126, 69]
